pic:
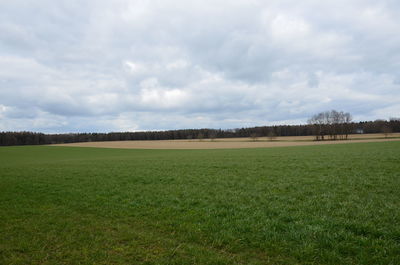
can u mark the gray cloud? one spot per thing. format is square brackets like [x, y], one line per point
[142, 65]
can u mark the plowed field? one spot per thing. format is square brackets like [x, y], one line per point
[226, 143]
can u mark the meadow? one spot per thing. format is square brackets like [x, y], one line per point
[323, 204]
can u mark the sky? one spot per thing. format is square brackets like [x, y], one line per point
[133, 65]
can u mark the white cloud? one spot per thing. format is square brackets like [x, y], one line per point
[161, 98]
[179, 64]
[289, 28]
[135, 68]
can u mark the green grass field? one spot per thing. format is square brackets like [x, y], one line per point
[330, 204]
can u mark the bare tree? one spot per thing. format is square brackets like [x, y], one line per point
[212, 135]
[347, 120]
[333, 123]
[386, 130]
[271, 135]
[319, 125]
[254, 137]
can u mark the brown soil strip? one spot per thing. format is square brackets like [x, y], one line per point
[228, 143]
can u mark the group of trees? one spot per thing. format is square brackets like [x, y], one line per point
[334, 124]
[325, 125]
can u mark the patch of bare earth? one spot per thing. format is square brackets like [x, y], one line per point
[228, 143]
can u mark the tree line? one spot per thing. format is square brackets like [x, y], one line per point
[326, 128]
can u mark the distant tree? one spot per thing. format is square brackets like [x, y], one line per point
[271, 135]
[318, 123]
[200, 136]
[212, 135]
[394, 123]
[347, 124]
[254, 137]
[386, 130]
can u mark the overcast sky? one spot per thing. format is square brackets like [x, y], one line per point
[127, 65]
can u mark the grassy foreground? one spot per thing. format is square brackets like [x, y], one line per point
[331, 204]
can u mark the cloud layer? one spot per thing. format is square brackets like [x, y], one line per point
[76, 66]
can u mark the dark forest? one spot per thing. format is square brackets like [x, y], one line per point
[35, 138]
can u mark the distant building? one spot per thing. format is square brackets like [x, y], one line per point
[360, 131]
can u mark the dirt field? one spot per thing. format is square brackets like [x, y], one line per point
[225, 143]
